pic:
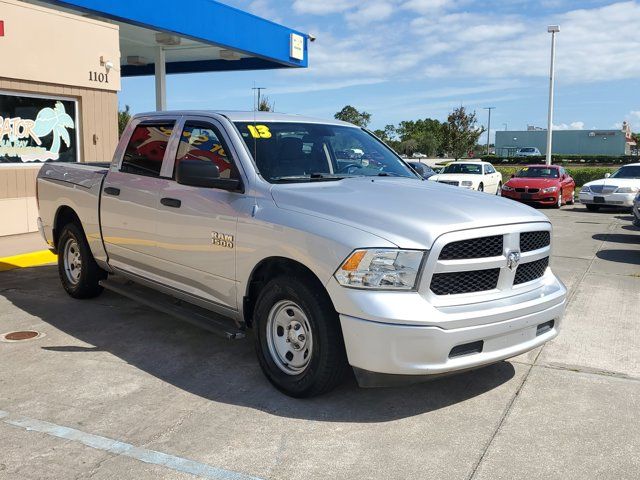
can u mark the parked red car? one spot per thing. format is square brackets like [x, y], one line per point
[543, 184]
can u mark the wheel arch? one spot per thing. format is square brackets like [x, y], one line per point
[64, 215]
[271, 267]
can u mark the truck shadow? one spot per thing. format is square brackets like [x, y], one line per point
[198, 362]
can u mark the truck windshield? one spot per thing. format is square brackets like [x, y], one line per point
[303, 152]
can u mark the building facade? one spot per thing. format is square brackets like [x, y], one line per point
[58, 100]
[610, 142]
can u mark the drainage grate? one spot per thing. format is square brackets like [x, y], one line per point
[21, 336]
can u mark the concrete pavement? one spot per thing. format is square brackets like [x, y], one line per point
[115, 390]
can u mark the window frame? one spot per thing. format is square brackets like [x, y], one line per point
[168, 169]
[118, 156]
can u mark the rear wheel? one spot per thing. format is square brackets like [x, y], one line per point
[593, 208]
[298, 337]
[78, 271]
[572, 198]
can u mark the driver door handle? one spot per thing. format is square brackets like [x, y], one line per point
[171, 202]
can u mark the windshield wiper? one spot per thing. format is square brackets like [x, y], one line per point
[314, 177]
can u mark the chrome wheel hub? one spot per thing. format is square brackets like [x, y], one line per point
[72, 261]
[289, 337]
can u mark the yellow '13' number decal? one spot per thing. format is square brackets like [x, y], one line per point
[259, 131]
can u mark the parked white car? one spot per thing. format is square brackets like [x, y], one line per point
[480, 176]
[617, 190]
[528, 152]
[419, 155]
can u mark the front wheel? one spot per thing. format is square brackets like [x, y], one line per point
[559, 203]
[78, 271]
[572, 198]
[592, 208]
[499, 189]
[298, 338]
[481, 188]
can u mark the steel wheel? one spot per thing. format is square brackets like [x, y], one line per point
[289, 337]
[72, 261]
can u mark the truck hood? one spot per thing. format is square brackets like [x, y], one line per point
[409, 213]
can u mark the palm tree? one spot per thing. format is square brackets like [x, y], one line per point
[54, 120]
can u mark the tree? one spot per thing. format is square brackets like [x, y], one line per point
[428, 135]
[352, 115]
[266, 105]
[123, 119]
[461, 132]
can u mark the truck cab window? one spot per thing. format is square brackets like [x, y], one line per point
[202, 141]
[146, 149]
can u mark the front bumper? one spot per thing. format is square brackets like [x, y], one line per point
[542, 198]
[624, 200]
[404, 335]
[409, 350]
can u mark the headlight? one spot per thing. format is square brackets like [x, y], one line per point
[381, 269]
[507, 188]
[627, 190]
[466, 183]
[585, 189]
[549, 189]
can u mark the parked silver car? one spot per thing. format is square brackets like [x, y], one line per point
[255, 220]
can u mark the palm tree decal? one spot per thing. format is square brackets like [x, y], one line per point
[54, 120]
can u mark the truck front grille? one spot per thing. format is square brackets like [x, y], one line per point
[530, 241]
[468, 262]
[527, 272]
[465, 282]
[474, 248]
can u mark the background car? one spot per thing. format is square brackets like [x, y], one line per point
[617, 190]
[419, 155]
[425, 171]
[528, 152]
[542, 184]
[474, 175]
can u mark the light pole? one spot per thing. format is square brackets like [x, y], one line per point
[489, 128]
[552, 29]
[259, 89]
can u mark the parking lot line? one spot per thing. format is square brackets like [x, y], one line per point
[32, 259]
[116, 447]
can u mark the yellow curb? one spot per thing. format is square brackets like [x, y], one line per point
[32, 259]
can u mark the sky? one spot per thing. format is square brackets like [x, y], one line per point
[410, 59]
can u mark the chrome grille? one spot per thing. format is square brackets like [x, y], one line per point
[605, 189]
[527, 272]
[465, 282]
[530, 241]
[474, 248]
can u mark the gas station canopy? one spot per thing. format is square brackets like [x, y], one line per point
[187, 36]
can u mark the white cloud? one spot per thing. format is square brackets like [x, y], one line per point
[570, 126]
[323, 7]
[429, 6]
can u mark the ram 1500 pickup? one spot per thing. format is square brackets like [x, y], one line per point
[260, 220]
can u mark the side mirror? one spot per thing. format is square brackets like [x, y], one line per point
[200, 173]
[607, 175]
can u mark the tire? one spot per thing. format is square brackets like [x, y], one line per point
[78, 271]
[288, 307]
[572, 199]
[636, 221]
[559, 202]
[592, 208]
[481, 188]
[499, 189]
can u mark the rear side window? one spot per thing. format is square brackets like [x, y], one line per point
[203, 141]
[146, 148]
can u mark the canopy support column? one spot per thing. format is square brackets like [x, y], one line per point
[161, 80]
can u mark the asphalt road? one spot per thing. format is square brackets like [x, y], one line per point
[114, 390]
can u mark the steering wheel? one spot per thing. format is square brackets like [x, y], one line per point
[347, 168]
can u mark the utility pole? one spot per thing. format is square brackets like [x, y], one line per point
[489, 129]
[552, 29]
[259, 89]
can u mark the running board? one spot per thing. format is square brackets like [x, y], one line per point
[187, 312]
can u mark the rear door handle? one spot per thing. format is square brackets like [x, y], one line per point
[112, 191]
[171, 202]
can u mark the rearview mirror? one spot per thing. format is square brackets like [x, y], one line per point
[200, 173]
[607, 175]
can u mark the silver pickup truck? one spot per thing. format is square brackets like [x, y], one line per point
[333, 258]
